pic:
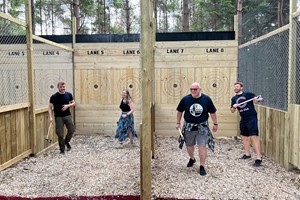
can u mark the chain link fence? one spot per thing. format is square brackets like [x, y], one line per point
[263, 68]
[295, 75]
[13, 59]
[51, 65]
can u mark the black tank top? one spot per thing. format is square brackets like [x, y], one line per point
[124, 107]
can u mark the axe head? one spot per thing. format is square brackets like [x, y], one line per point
[180, 141]
[49, 140]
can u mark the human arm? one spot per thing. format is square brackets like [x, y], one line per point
[131, 105]
[179, 115]
[50, 108]
[234, 105]
[215, 121]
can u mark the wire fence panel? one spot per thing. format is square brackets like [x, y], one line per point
[13, 59]
[51, 65]
[263, 68]
[295, 76]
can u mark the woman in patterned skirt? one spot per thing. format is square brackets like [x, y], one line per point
[126, 121]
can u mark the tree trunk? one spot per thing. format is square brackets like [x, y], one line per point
[127, 16]
[77, 14]
[52, 18]
[4, 6]
[280, 13]
[239, 14]
[186, 16]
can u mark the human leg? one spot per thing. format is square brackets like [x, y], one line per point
[70, 130]
[59, 129]
[246, 144]
[190, 141]
[192, 160]
[256, 146]
[202, 154]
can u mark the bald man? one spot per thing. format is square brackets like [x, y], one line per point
[196, 107]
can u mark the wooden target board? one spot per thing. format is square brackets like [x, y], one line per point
[103, 70]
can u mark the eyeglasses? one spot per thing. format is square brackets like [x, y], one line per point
[194, 89]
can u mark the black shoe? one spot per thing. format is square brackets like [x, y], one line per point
[191, 163]
[257, 163]
[62, 152]
[202, 171]
[68, 146]
[244, 157]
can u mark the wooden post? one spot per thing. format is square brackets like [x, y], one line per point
[291, 80]
[74, 32]
[30, 70]
[153, 21]
[146, 55]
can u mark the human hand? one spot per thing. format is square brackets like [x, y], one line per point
[124, 115]
[178, 126]
[50, 120]
[215, 128]
[235, 105]
[65, 107]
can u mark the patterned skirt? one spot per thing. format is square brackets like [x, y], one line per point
[125, 125]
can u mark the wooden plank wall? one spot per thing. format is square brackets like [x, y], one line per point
[279, 134]
[103, 70]
[51, 65]
[42, 125]
[14, 135]
[13, 74]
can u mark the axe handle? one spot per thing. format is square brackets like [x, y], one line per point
[180, 133]
[49, 130]
[246, 101]
[259, 96]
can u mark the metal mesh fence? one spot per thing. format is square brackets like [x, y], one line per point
[295, 75]
[13, 68]
[263, 68]
[51, 65]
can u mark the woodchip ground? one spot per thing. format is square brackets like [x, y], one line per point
[97, 167]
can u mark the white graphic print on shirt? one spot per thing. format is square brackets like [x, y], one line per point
[196, 110]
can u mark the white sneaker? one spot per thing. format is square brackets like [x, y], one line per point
[119, 145]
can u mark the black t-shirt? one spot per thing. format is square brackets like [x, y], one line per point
[246, 110]
[58, 100]
[124, 107]
[196, 109]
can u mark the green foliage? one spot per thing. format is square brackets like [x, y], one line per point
[262, 17]
[113, 16]
[15, 7]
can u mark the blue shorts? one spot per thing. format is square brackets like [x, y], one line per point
[249, 127]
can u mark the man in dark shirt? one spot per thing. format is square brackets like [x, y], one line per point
[196, 107]
[248, 123]
[61, 102]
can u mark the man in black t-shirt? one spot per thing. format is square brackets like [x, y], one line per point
[61, 102]
[248, 123]
[196, 107]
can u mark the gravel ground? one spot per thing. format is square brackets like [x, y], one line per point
[97, 166]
